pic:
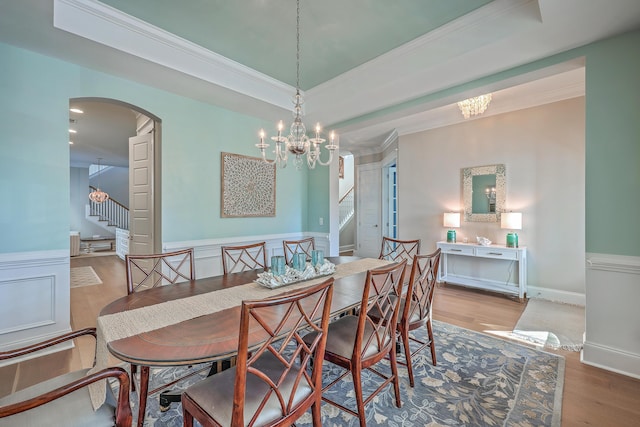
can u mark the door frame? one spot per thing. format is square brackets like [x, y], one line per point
[390, 161]
[157, 163]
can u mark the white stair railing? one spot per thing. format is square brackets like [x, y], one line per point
[111, 211]
[346, 207]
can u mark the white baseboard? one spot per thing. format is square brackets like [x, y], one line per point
[573, 298]
[611, 359]
[54, 349]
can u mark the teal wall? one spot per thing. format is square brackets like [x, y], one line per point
[34, 156]
[613, 146]
[318, 202]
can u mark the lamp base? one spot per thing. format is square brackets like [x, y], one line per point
[512, 240]
[451, 236]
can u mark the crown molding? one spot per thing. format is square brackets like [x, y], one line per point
[103, 24]
[422, 66]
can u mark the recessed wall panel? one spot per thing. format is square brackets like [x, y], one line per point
[27, 303]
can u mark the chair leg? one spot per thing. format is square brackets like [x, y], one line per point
[432, 343]
[356, 373]
[316, 413]
[134, 371]
[142, 396]
[404, 334]
[394, 372]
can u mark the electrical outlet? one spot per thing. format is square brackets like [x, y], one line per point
[321, 221]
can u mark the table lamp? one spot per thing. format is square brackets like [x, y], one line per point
[511, 221]
[451, 219]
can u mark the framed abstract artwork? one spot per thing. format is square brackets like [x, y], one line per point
[248, 187]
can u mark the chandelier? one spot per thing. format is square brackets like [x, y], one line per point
[297, 143]
[474, 106]
[97, 195]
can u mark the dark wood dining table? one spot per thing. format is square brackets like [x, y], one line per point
[209, 337]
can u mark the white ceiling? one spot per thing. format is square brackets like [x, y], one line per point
[373, 63]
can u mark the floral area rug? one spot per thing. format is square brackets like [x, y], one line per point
[479, 380]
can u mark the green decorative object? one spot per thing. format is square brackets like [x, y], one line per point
[512, 240]
[451, 236]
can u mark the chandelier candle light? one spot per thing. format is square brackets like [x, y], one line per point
[297, 142]
[474, 106]
[452, 220]
[98, 196]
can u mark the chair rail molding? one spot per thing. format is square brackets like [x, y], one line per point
[208, 252]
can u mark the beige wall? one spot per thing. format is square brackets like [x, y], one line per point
[543, 149]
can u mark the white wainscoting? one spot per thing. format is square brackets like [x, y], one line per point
[612, 315]
[208, 253]
[34, 297]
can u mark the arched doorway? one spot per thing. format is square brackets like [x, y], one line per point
[105, 128]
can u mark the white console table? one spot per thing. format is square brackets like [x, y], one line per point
[450, 251]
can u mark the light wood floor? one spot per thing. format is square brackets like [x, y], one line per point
[591, 397]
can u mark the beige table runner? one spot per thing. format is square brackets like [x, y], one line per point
[126, 324]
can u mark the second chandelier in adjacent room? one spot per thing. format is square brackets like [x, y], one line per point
[474, 106]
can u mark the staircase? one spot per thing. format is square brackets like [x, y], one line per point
[346, 208]
[109, 215]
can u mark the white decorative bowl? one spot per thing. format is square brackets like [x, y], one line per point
[483, 241]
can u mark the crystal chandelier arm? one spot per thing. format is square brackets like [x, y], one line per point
[328, 162]
[332, 146]
[262, 146]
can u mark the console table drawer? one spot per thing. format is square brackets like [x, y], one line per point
[499, 253]
[457, 249]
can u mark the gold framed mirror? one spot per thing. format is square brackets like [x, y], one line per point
[483, 192]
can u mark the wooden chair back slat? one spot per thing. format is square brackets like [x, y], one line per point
[236, 259]
[149, 271]
[292, 246]
[397, 250]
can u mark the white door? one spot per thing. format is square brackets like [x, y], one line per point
[369, 210]
[141, 203]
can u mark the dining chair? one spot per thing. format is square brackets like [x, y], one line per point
[236, 259]
[275, 382]
[358, 342]
[292, 246]
[417, 313]
[64, 400]
[397, 250]
[148, 271]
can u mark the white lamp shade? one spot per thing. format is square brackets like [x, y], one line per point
[452, 219]
[511, 220]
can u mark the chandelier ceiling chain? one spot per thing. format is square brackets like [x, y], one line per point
[474, 106]
[98, 196]
[298, 143]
